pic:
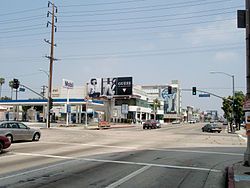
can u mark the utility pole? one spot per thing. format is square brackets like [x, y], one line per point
[247, 153]
[51, 57]
[244, 22]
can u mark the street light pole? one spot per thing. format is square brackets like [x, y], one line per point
[232, 76]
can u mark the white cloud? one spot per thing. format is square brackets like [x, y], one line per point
[226, 56]
[219, 32]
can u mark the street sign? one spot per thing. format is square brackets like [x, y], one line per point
[246, 105]
[204, 95]
[124, 108]
[21, 89]
[68, 84]
[247, 120]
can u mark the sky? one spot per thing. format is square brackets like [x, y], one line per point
[154, 41]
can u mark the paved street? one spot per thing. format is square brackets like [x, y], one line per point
[173, 156]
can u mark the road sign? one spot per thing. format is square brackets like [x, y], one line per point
[247, 120]
[246, 105]
[21, 89]
[204, 95]
[68, 84]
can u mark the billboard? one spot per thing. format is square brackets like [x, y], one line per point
[110, 86]
[170, 100]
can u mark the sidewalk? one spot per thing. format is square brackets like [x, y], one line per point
[242, 133]
[238, 176]
[90, 126]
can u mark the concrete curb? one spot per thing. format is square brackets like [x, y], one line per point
[230, 177]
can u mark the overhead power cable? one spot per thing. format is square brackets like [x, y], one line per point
[23, 19]
[147, 27]
[159, 50]
[21, 30]
[135, 9]
[148, 21]
[104, 3]
[22, 11]
[149, 17]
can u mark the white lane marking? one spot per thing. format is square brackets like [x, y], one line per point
[150, 148]
[118, 162]
[196, 151]
[128, 177]
[242, 137]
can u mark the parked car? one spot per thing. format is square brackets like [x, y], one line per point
[191, 121]
[176, 122]
[211, 128]
[18, 131]
[4, 143]
[150, 124]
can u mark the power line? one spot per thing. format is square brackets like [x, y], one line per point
[208, 48]
[24, 35]
[148, 21]
[23, 19]
[23, 11]
[106, 3]
[147, 27]
[23, 27]
[201, 48]
[149, 17]
[130, 10]
[21, 30]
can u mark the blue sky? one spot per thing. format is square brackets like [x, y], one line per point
[155, 41]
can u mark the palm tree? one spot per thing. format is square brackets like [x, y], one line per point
[11, 86]
[2, 81]
[156, 105]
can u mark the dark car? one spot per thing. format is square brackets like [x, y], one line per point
[150, 124]
[211, 128]
[4, 143]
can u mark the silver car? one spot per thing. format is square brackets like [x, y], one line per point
[18, 131]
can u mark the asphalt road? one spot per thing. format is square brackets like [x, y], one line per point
[173, 156]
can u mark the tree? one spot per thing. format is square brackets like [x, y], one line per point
[228, 108]
[238, 108]
[2, 81]
[11, 86]
[156, 105]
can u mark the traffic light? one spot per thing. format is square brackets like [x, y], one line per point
[16, 83]
[194, 90]
[169, 89]
[50, 103]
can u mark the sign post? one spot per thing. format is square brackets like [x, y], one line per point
[68, 84]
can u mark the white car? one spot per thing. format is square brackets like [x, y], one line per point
[14, 131]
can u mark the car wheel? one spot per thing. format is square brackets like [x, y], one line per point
[143, 127]
[9, 137]
[36, 137]
[219, 131]
[1, 147]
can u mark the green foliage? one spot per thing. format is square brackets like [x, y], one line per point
[227, 107]
[26, 108]
[5, 98]
[156, 104]
[2, 81]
